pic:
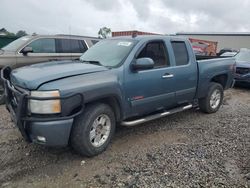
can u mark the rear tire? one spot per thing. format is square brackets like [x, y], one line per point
[92, 131]
[212, 102]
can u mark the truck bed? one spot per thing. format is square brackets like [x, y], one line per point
[208, 69]
[203, 57]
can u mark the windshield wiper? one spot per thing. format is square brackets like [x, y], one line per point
[92, 62]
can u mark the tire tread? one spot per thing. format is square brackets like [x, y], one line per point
[80, 128]
[204, 103]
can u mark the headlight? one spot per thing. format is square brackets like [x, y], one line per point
[45, 106]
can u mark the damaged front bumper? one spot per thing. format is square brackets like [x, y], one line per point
[242, 75]
[49, 130]
[245, 78]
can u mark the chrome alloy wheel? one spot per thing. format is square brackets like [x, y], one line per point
[215, 99]
[100, 130]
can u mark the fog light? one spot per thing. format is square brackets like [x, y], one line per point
[41, 138]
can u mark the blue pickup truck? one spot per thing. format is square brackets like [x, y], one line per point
[119, 81]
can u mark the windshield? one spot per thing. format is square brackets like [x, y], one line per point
[243, 56]
[15, 45]
[109, 53]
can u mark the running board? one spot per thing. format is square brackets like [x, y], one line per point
[155, 116]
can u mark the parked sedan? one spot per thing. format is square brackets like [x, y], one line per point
[243, 67]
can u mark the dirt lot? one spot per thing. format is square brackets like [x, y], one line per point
[189, 149]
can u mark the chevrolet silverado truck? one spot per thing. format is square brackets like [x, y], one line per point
[119, 81]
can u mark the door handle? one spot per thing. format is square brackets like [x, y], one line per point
[167, 75]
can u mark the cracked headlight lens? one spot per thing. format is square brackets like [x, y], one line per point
[45, 106]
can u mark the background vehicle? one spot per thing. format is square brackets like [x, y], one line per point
[228, 54]
[226, 50]
[243, 67]
[204, 47]
[199, 48]
[40, 48]
[123, 81]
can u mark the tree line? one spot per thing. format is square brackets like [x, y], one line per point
[19, 33]
[104, 32]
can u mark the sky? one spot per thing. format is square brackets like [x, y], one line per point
[86, 17]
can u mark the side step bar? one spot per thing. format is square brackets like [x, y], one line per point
[155, 116]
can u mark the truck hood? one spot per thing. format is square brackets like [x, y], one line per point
[31, 77]
[243, 64]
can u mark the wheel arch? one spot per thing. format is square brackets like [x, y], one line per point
[113, 101]
[220, 79]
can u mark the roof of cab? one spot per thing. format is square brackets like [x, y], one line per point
[150, 37]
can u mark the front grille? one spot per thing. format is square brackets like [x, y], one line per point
[14, 98]
[15, 95]
[240, 70]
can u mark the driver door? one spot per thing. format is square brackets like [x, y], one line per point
[146, 90]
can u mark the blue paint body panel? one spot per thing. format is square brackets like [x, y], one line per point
[94, 82]
[137, 92]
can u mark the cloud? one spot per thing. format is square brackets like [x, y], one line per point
[142, 8]
[104, 5]
[85, 17]
[214, 15]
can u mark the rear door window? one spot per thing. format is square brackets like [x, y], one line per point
[180, 53]
[43, 46]
[71, 46]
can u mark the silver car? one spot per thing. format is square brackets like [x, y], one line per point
[41, 48]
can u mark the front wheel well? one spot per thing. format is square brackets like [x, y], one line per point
[220, 79]
[113, 102]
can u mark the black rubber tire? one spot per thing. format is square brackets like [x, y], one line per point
[204, 103]
[79, 138]
[2, 97]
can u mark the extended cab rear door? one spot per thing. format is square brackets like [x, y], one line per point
[184, 70]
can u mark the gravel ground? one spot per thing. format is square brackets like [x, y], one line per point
[188, 149]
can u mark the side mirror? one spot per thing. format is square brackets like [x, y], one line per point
[26, 50]
[143, 64]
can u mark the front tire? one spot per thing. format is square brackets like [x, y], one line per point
[92, 131]
[212, 102]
